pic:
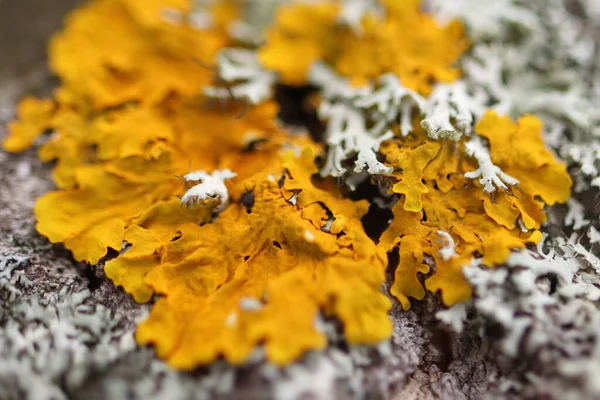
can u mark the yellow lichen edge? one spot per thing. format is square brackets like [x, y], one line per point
[437, 197]
[34, 118]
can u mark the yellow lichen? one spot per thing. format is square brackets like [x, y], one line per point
[436, 197]
[256, 257]
[518, 148]
[35, 117]
[406, 42]
[115, 51]
[409, 164]
[129, 121]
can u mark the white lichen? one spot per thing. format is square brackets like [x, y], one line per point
[255, 17]
[346, 136]
[250, 304]
[455, 316]
[448, 112]
[332, 86]
[490, 175]
[594, 235]
[246, 79]
[575, 216]
[200, 16]
[354, 11]
[485, 19]
[207, 187]
[391, 102]
[448, 249]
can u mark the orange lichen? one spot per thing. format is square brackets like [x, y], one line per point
[409, 164]
[481, 224]
[254, 257]
[115, 51]
[518, 148]
[137, 155]
[34, 118]
[130, 122]
[406, 42]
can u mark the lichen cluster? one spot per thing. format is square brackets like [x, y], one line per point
[439, 200]
[163, 98]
